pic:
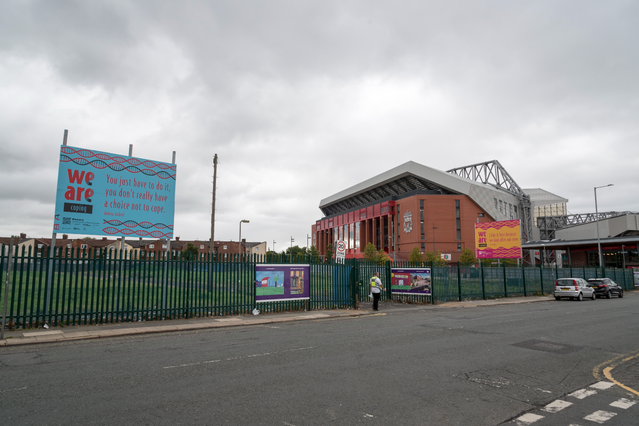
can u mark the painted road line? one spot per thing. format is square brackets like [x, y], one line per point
[556, 406]
[603, 385]
[623, 403]
[605, 369]
[527, 419]
[237, 357]
[600, 416]
[582, 393]
[607, 373]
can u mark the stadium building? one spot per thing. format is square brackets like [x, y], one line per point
[413, 205]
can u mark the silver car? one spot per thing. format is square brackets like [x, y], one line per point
[574, 288]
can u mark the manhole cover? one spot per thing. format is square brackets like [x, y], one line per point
[542, 345]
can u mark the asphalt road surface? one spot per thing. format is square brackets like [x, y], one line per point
[550, 363]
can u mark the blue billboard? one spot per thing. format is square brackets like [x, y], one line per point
[115, 195]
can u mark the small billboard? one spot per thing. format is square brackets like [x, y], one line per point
[498, 240]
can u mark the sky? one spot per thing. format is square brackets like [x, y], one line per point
[302, 99]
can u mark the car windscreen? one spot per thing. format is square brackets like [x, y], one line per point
[566, 282]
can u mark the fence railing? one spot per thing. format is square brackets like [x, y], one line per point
[71, 288]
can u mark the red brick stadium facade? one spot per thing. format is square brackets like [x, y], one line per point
[407, 207]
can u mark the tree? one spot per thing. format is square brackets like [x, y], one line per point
[370, 252]
[435, 259]
[313, 251]
[329, 252]
[509, 263]
[295, 251]
[415, 255]
[190, 252]
[467, 257]
[373, 255]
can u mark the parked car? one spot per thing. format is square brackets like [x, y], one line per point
[605, 287]
[574, 288]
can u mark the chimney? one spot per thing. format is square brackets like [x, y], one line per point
[177, 238]
[23, 236]
[103, 238]
[65, 236]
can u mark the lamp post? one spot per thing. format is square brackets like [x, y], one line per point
[273, 246]
[434, 227]
[597, 219]
[291, 256]
[239, 252]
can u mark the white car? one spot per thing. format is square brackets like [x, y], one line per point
[574, 288]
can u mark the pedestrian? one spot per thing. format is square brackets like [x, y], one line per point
[376, 288]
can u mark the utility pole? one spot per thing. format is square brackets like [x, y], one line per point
[211, 246]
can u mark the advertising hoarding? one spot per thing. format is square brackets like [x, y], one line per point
[410, 281]
[100, 193]
[274, 283]
[498, 240]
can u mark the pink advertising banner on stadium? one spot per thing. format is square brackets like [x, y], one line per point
[498, 240]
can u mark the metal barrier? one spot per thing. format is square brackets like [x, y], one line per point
[71, 288]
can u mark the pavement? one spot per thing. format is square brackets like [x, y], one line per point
[85, 332]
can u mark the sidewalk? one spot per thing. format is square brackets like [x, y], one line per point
[84, 332]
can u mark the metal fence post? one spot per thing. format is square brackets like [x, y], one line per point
[389, 281]
[541, 277]
[523, 278]
[459, 281]
[483, 285]
[6, 287]
[505, 281]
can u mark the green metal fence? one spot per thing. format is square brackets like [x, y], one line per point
[71, 288]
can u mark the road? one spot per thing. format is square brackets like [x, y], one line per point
[410, 365]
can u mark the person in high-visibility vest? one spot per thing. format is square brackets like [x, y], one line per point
[376, 288]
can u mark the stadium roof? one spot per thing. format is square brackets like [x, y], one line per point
[407, 179]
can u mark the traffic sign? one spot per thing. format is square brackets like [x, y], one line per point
[340, 253]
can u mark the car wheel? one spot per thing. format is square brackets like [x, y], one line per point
[608, 296]
[594, 296]
[621, 293]
[557, 298]
[580, 297]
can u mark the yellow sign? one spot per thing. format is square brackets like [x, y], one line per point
[498, 240]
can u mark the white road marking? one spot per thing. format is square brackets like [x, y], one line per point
[528, 419]
[238, 357]
[600, 416]
[556, 406]
[582, 393]
[368, 415]
[545, 391]
[623, 403]
[603, 385]
[13, 390]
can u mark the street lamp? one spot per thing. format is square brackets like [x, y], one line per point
[597, 218]
[434, 227]
[240, 240]
[273, 246]
[291, 261]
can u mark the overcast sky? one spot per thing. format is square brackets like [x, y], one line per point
[302, 99]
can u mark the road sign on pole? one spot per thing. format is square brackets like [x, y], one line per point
[340, 253]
